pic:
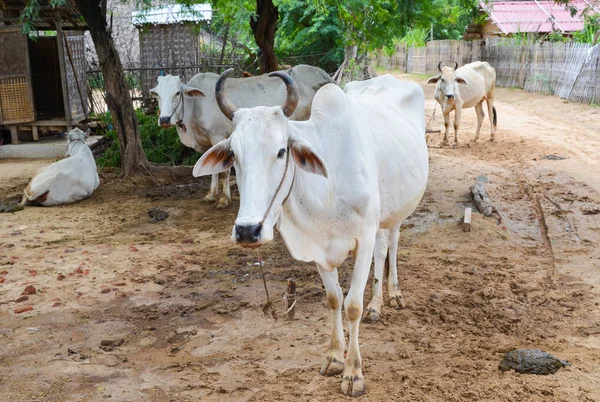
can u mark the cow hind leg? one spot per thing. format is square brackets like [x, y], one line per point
[214, 188]
[394, 292]
[373, 311]
[493, 117]
[226, 195]
[353, 382]
[480, 116]
[334, 362]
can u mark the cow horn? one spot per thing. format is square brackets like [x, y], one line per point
[440, 66]
[455, 65]
[291, 101]
[225, 105]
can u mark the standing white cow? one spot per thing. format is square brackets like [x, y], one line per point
[340, 182]
[200, 124]
[69, 180]
[468, 86]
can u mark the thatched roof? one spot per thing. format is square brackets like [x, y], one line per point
[69, 16]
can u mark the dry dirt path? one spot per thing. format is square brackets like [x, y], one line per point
[186, 304]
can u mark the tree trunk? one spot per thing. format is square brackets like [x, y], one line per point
[355, 67]
[264, 26]
[118, 98]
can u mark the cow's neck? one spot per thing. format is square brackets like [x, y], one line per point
[76, 146]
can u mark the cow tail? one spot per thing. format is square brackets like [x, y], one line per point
[495, 116]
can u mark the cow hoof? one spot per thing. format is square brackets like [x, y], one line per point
[353, 386]
[372, 315]
[443, 144]
[223, 203]
[399, 301]
[492, 139]
[209, 197]
[473, 141]
[332, 367]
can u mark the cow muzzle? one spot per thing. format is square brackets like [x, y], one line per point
[450, 96]
[165, 121]
[248, 235]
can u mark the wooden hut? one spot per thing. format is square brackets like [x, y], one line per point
[42, 79]
[171, 38]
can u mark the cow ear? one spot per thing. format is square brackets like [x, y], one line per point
[153, 91]
[218, 158]
[461, 81]
[191, 91]
[306, 159]
[433, 80]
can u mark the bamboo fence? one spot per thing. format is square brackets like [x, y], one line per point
[569, 70]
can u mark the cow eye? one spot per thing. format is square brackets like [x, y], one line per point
[281, 153]
[443, 80]
[177, 94]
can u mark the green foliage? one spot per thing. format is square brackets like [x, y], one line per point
[556, 36]
[309, 34]
[591, 25]
[160, 145]
[415, 37]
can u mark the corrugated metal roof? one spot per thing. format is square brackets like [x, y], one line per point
[172, 14]
[536, 16]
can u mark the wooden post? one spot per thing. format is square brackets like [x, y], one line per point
[34, 132]
[63, 70]
[466, 226]
[290, 299]
[14, 134]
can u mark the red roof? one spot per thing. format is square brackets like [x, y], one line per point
[536, 16]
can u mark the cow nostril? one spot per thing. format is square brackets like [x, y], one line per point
[256, 232]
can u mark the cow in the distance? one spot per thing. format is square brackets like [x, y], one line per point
[464, 87]
[69, 180]
[200, 124]
[340, 182]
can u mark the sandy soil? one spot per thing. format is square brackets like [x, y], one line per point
[179, 307]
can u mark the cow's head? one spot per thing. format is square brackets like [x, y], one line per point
[265, 151]
[73, 136]
[447, 80]
[170, 91]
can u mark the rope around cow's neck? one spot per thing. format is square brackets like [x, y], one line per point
[72, 142]
[269, 306]
[179, 122]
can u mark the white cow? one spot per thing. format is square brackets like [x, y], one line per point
[468, 86]
[69, 180]
[200, 124]
[340, 182]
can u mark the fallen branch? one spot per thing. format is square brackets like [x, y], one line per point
[482, 201]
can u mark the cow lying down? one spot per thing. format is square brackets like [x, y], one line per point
[69, 180]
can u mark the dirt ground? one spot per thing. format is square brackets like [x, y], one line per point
[127, 310]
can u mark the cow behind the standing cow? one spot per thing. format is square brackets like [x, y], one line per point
[465, 87]
[193, 110]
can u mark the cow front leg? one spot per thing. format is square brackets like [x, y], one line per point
[214, 188]
[457, 116]
[353, 382]
[480, 116]
[446, 129]
[334, 361]
[226, 195]
[373, 311]
[394, 293]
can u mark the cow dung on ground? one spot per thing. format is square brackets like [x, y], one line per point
[532, 361]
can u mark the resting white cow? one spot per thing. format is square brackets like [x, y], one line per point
[340, 182]
[468, 86]
[200, 123]
[69, 180]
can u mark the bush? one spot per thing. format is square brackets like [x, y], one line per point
[160, 145]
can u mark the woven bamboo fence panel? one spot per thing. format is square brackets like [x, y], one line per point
[569, 70]
[15, 103]
[76, 78]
